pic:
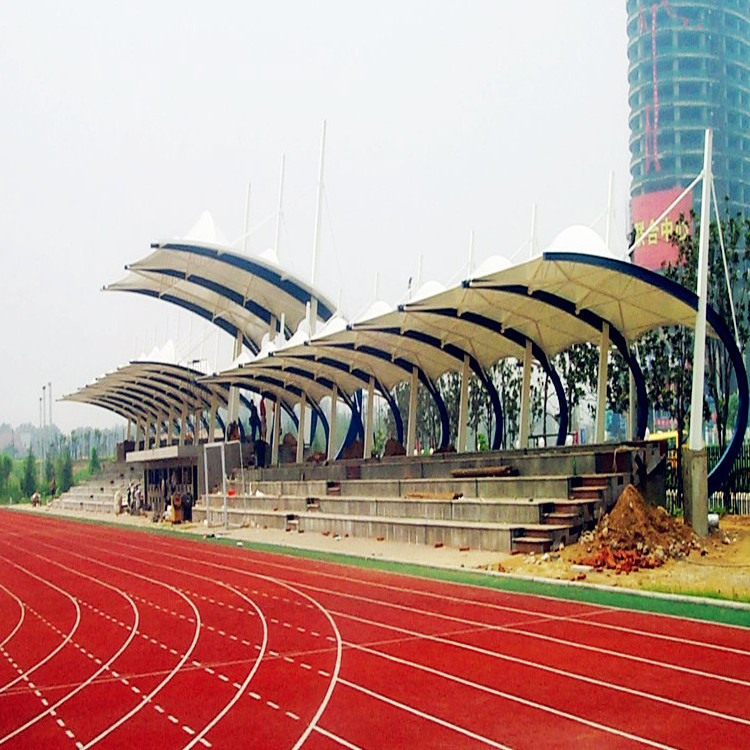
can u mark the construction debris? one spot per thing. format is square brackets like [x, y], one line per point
[635, 535]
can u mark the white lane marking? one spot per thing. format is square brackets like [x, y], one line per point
[423, 715]
[20, 619]
[591, 609]
[200, 737]
[336, 738]
[336, 639]
[104, 667]
[292, 715]
[54, 651]
[147, 698]
[507, 696]
[515, 628]
[273, 705]
[551, 670]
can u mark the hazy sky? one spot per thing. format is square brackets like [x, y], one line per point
[121, 122]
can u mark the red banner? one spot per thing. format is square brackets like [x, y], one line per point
[657, 249]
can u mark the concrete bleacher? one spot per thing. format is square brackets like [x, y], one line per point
[539, 499]
[97, 494]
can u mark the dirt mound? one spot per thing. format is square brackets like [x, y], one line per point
[355, 450]
[635, 535]
[394, 448]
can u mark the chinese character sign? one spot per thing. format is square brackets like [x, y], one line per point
[657, 249]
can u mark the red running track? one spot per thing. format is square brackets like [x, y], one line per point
[116, 638]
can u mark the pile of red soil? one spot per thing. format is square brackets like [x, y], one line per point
[393, 448]
[635, 535]
[354, 450]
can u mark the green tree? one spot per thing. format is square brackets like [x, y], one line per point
[95, 465]
[49, 472]
[668, 353]
[6, 467]
[64, 471]
[28, 478]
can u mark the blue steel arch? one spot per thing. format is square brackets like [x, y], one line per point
[356, 427]
[277, 278]
[202, 312]
[407, 367]
[520, 339]
[458, 354]
[720, 473]
[596, 322]
[363, 376]
[250, 305]
[263, 378]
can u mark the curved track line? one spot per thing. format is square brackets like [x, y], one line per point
[326, 613]
[531, 664]
[21, 619]
[594, 609]
[146, 698]
[243, 687]
[101, 669]
[65, 641]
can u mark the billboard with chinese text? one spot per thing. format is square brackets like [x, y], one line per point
[657, 249]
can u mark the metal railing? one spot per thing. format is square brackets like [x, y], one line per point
[735, 497]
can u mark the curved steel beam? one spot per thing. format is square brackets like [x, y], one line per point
[520, 340]
[356, 428]
[202, 312]
[400, 362]
[597, 323]
[278, 279]
[364, 377]
[720, 473]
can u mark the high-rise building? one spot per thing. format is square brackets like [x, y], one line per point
[689, 69]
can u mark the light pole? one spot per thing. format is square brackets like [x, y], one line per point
[41, 436]
[49, 391]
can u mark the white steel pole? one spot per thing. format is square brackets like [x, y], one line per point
[411, 434]
[316, 239]
[301, 429]
[332, 424]
[463, 407]
[276, 432]
[234, 393]
[699, 356]
[279, 213]
[610, 210]
[525, 416]
[471, 255]
[370, 419]
[601, 391]
[532, 241]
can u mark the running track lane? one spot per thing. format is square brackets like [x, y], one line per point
[433, 664]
